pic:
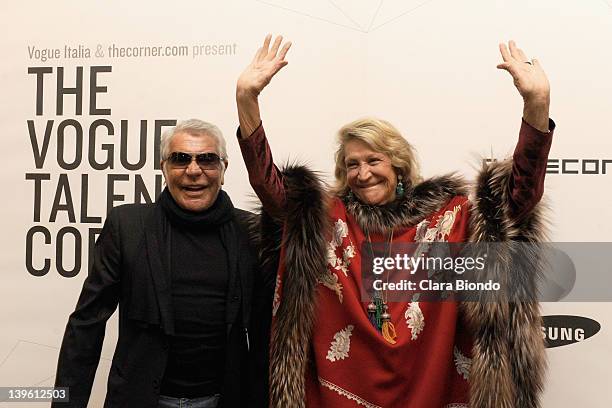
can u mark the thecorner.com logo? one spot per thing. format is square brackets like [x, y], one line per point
[578, 166]
[575, 166]
[561, 330]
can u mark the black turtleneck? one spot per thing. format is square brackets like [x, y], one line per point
[199, 269]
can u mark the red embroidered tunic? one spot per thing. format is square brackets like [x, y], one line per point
[353, 365]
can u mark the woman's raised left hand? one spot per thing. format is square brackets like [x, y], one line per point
[531, 82]
[528, 75]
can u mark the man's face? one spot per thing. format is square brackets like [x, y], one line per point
[193, 188]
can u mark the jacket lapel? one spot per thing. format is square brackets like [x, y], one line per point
[158, 243]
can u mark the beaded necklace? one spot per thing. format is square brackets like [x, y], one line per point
[378, 310]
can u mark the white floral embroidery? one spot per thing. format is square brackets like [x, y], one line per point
[456, 405]
[340, 232]
[462, 363]
[445, 223]
[332, 259]
[431, 235]
[349, 395]
[330, 280]
[340, 263]
[348, 253]
[421, 229]
[341, 344]
[343, 267]
[424, 237]
[439, 232]
[414, 319]
[276, 300]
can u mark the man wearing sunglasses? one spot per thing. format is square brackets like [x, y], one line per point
[185, 275]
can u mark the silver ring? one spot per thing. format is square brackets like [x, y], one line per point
[529, 62]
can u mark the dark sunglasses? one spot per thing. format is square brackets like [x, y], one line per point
[206, 161]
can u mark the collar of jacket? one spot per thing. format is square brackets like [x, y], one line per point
[508, 357]
[152, 295]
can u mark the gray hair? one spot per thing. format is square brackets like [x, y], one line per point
[195, 127]
[382, 137]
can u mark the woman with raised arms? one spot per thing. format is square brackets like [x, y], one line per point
[328, 348]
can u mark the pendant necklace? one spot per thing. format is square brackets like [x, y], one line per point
[378, 310]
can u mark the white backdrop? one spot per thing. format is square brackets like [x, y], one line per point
[426, 66]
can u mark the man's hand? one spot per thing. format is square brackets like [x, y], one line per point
[531, 82]
[266, 63]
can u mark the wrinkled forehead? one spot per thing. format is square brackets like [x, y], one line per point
[193, 143]
[356, 149]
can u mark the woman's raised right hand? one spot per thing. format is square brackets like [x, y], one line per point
[266, 63]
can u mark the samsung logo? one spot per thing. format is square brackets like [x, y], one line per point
[561, 330]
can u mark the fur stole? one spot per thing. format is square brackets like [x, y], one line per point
[508, 356]
[417, 203]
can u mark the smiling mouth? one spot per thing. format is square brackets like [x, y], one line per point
[370, 186]
[193, 188]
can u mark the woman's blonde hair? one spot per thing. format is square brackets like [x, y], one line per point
[382, 137]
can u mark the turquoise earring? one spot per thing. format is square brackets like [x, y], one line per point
[399, 188]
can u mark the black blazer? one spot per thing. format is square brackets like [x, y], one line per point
[141, 353]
